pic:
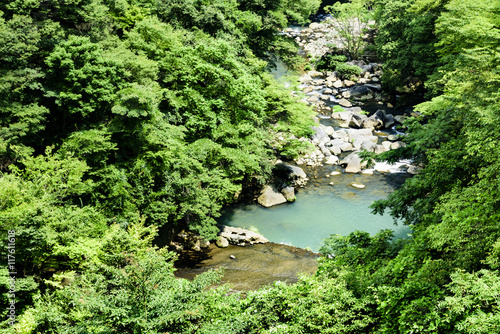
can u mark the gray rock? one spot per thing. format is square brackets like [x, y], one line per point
[380, 149]
[386, 145]
[371, 123]
[357, 121]
[222, 242]
[324, 150]
[270, 197]
[340, 134]
[389, 121]
[400, 118]
[328, 129]
[374, 87]
[332, 160]
[359, 90]
[313, 99]
[367, 68]
[368, 145]
[375, 67]
[314, 74]
[397, 144]
[375, 121]
[349, 83]
[291, 173]
[354, 133]
[345, 103]
[305, 78]
[237, 236]
[336, 150]
[319, 135]
[337, 84]
[288, 193]
[353, 163]
[346, 147]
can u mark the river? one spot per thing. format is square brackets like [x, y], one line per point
[327, 205]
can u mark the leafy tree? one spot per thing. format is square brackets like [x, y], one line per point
[350, 20]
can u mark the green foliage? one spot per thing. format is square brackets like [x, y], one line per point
[473, 306]
[350, 20]
[405, 40]
[337, 63]
[312, 305]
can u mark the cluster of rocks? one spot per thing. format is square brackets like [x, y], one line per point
[324, 88]
[239, 236]
[316, 40]
[282, 190]
[186, 240]
[332, 143]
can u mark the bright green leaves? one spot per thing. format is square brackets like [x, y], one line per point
[405, 41]
[20, 126]
[85, 82]
[137, 101]
[468, 25]
[350, 19]
[93, 146]
[18, 41]
[312, 305]
[474, 305]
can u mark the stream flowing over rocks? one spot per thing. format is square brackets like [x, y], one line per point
[353, 115]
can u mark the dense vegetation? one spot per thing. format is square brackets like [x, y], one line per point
[120, 119]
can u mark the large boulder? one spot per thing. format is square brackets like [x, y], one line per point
[361, 133]
[305, 78]
[332, 160]
[319, 135]
[335, 146]
[315, 74]
[397, 144]
[288, 193]
[326, 152]
[329, 130]
[353, 163]
[389, 121]
[239, 236]
[270, 197]
[359, 91]
[222, 242]
[357, 121]
[374, 87]
[375, 121]
[295, 174]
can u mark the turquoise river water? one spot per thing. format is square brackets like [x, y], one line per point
[321, 209]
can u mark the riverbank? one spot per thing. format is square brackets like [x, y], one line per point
[250, 267]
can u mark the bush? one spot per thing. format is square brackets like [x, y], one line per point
[337, 63]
